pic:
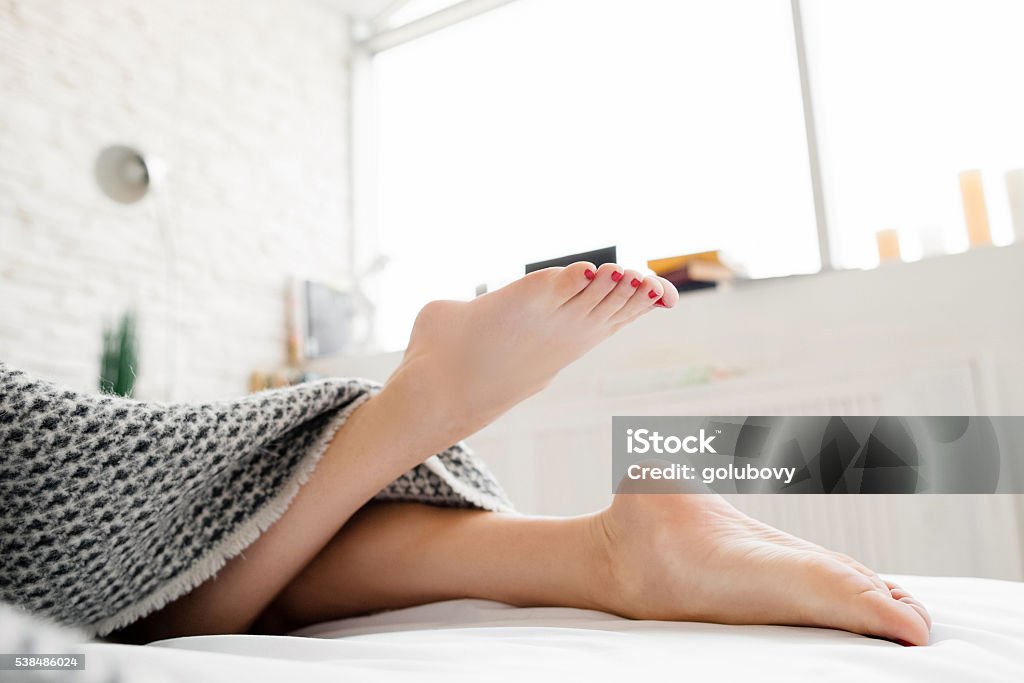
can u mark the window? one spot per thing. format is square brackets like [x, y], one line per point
[908, 95]
[548, 127]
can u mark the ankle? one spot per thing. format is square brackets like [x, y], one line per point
[443, 400]
[426, 408]
[608, 589]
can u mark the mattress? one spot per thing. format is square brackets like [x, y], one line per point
[978, 635]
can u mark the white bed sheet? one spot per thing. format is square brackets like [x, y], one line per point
[978, 635]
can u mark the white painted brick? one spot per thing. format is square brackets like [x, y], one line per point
[244, 100]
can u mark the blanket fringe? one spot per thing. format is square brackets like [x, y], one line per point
[208, 566]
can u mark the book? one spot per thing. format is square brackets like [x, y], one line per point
[693, 271]
[673, 263]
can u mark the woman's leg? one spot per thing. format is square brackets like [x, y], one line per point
[676, 557]
[657, 556]
[467, 363]
[393, 555]
[374, 447]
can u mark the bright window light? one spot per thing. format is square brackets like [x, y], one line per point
[548, 127]
[908, 94]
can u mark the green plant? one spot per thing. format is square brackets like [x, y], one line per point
[120, 357]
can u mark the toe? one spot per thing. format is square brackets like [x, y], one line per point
[619, 295]
[903, 596]
[567, 282]
[893, 619]
[646, 291]
[671, 296]
[600, 283]
[848, 599]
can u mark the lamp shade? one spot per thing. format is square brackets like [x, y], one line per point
[123, 173]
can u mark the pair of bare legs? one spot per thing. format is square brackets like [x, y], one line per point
[677, 557]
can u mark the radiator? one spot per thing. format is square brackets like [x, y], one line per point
[553, 454]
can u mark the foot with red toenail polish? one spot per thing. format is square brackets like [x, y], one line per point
[474, 360]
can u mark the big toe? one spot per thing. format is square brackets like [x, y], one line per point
[892, 618]
[841, 597]
[569, 281]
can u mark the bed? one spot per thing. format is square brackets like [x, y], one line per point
[978, 635]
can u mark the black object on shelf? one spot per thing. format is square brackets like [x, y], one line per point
[694, 285]
[597, 257]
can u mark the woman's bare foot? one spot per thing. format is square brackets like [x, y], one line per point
[474, 360]
[678, 557]
[694, 557]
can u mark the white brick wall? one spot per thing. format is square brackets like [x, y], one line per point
[245, 101]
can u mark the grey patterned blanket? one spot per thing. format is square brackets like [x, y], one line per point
[111, 507]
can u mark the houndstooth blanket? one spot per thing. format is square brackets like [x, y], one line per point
[112, 507]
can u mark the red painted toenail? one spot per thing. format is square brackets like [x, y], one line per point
[660, 302]
[589, 274]
[652, 294]
[635, 282]
[616, 276]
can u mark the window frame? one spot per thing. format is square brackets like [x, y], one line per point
[372, 36]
